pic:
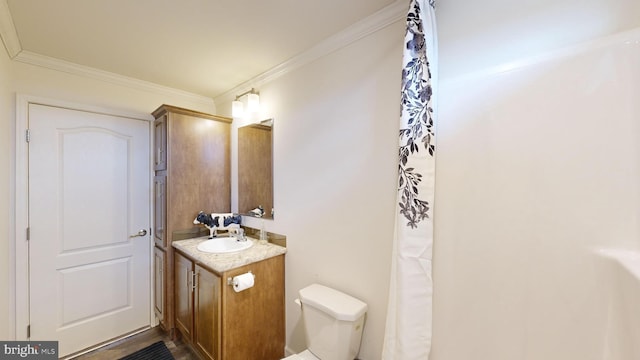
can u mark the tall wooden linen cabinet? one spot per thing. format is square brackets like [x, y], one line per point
[192, 172]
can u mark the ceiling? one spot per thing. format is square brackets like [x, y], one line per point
[205, 47]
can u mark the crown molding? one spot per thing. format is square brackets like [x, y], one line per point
[8, 31]
[14, 50]
[31, 58]
[379, 20]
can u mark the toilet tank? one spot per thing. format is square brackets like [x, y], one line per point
[333, 322]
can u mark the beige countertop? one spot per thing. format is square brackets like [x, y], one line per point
[220, 263]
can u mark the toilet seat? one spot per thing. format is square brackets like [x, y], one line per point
[305, 355]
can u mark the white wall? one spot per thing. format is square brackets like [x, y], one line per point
[535, 167]
[335, 169]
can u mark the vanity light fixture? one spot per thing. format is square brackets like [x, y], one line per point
[253, 103]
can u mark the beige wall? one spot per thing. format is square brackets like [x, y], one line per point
[476, 35]
[335, 159]
[536, 166]
[6, 160]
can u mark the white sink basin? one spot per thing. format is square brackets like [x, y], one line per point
[224, 245]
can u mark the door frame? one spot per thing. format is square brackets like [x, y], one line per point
[20, 250]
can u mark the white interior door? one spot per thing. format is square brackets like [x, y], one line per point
[89, 280]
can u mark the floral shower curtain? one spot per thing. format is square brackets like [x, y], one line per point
[408, 329]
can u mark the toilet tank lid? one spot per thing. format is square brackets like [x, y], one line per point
[335, 303]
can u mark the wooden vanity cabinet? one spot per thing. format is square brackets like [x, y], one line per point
[223, 324]
[192, 172]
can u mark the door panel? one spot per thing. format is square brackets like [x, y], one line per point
[159, 266]
[183, 278]
[90, 280]
[88, 192]
[207, 314]
[160, 203]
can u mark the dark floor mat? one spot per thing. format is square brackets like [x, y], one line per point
[155, 351]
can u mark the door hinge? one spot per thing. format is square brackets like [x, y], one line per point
[28, 233]
[27, 135]
[28, 331]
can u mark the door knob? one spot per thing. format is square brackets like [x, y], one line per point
[142, 232]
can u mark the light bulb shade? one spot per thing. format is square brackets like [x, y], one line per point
[237, 109]
[253, 102]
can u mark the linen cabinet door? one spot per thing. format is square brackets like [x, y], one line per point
[160, 143]
[183, 295]
[207, 313]
[159, 266]
[160, 211]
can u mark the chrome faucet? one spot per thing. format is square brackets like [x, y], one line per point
[240, 234]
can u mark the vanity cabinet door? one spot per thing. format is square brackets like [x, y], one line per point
[207, 313]
[253, 320]
[184, 290]
[160, 210]
[159, 266]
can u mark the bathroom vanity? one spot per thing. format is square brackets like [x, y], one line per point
[219, 322]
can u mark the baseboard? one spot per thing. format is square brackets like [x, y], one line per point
[288, 351]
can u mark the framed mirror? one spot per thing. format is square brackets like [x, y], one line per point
[255, 169]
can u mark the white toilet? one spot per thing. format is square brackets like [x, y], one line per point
[333, 324]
